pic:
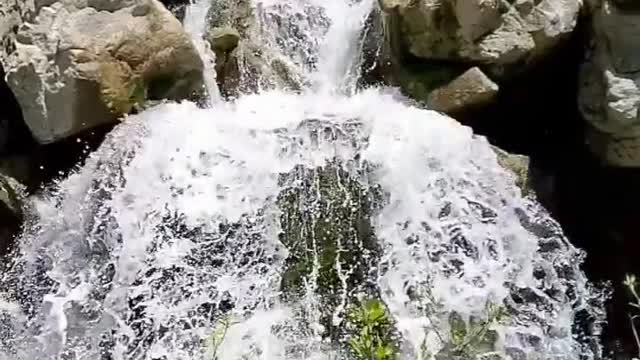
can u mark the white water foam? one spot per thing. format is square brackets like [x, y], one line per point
[172, 227]
[177, 223]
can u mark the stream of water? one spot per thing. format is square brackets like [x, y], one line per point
[183, 220]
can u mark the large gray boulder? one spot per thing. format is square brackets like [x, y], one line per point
[609, 96]
[76, 64]
[496, 33]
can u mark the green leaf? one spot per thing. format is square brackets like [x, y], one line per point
[384, 352]
[458, 329]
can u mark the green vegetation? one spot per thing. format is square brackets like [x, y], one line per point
[470, 339]
[373, 332]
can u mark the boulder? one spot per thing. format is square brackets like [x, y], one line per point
[223, 40]
[470, 90]
[76, 64]
[609, 96]
[501, 35]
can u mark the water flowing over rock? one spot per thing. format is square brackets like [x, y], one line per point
[251, 229]
[172, 242]
[610, 84]
[73, 65]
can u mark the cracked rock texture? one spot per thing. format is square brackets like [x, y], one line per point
[497, 33]
[76, 64]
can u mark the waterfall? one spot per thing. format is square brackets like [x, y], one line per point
[253, 228]
[195, 22]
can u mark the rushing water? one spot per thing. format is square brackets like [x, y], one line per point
[195, 22]
[186, 219]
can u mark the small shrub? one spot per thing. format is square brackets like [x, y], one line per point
[373, 338]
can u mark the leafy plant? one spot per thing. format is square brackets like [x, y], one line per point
[468, 339]
[373, 338]
[473, 336]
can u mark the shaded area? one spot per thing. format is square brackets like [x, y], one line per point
[14, 134]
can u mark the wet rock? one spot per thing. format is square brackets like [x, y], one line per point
[75, 67]
[518, 165]
[327, 230]
[243, 64]
[469, 90]
[223, 40]
[609, 96]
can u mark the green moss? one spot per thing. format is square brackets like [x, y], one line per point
[518, 165]
[326, 226]
[120, 89]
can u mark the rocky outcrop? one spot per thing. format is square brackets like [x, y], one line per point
[431, 43]
[610, 83]
[75, 64]
[498, 34]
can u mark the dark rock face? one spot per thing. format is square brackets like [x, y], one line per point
[631, 5]
[14, 135]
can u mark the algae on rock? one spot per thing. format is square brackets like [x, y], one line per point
[327, 229]
[518, 165]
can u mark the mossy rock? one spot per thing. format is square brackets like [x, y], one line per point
[223, 40]
[518, 165]
[326, 226]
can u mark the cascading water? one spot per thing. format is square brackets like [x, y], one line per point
[248, 230]
[195, 22]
